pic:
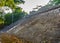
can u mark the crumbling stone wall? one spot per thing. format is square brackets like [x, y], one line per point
[40, 28]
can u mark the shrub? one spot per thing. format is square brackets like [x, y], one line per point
[8, 19]
[1, 23]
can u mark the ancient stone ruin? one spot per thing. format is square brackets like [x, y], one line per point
[43, 27]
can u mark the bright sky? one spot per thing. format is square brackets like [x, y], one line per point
[30, 4]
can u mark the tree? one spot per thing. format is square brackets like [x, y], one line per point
[54, 2]
[15, 15]
[10, 3]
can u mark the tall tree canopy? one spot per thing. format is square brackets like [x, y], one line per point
[10, 3]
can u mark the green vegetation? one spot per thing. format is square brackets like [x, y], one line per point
[7, 19]
[11, 18]
[1, 23]
[10, 3]
[54, 2]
